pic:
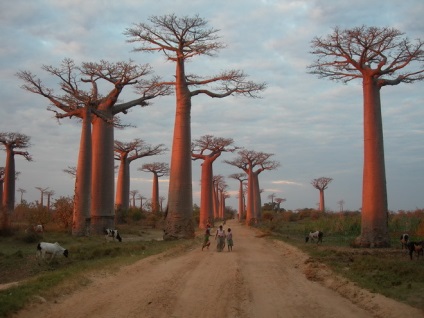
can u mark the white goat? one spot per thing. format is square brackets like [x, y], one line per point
[52, 249]
[113, 234]
[317, 235]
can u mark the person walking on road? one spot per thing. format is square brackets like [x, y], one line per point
[220, 234]
[230, 240]
[206, 242]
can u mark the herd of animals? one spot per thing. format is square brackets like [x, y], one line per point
[51, 250]
[416, 247]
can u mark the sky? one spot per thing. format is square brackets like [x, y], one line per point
[312, 126]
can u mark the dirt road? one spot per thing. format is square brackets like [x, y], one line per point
[259, 278]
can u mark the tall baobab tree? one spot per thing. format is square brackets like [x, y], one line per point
[241, 177]
[127, 152]
[22, 191]
[49, 195]
[321, 184]
[159, 169]
[133, 193]
[208, 148]
[2, 171]
[379, 57]
[95, 169]
[11, 142]
[341, 204]
[141, 198]
[247, 160]
[217, 180]
[279, 201]
[42, 192]
[181, 39]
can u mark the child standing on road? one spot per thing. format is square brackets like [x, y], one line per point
[220, 234]
[206, 241]
[230, 240]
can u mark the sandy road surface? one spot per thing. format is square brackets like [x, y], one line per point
[260, 278]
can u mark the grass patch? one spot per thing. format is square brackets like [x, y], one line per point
[64, 275]
[387, 271]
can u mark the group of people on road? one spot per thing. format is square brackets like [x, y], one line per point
[220, 236]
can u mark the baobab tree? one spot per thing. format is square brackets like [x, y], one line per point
[94, 183]
[247, 160]
[379, 57]
[133, 193]
[341, 204]
[208, 148]
[22, 191]
[49, 195]
[321, 184]
[181, 39]
[241, 177]
[217, 180]
[1, 185]
[159, 169]
[42, 192]
[125, 153]
[12, 142]
[278, 203]
[141, 198]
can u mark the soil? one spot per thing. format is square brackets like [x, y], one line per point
[259, 278]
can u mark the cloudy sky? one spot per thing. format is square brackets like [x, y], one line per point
[312, 126]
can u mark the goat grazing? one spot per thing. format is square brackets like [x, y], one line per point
[404, 238]
[35, 228]
[317, 235]
[416, 247]
[52, 249]
[113, 234]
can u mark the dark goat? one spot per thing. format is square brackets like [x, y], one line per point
[416, 247]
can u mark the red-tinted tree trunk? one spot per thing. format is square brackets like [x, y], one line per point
[240, 201]
[82, 197]
[207, 193]
[122, 201]
[321, 200]
[155, 193]
[179, 221]
[250, 208]
[9, 181]
[103, 183]
[374, 225]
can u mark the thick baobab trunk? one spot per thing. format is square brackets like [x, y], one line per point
[374, 226]
[321, 200]
[206, 196]
[215, 201]
[9, 181]
[250, 198]
[122, 201]
[155, 193]
[82, 196]
[179, 221]
[240, 201]
[103, 183]
[257, 195]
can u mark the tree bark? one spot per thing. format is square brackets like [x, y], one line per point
[9, 181]
[240, 201]
[207, 193]
[103, 185]
[321, 200]
[374, 225]
[179, 221]
[155, 193]
[82, 197]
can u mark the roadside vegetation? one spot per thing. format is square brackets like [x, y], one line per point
[387, 271]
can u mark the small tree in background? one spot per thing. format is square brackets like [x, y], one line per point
[321, 184]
